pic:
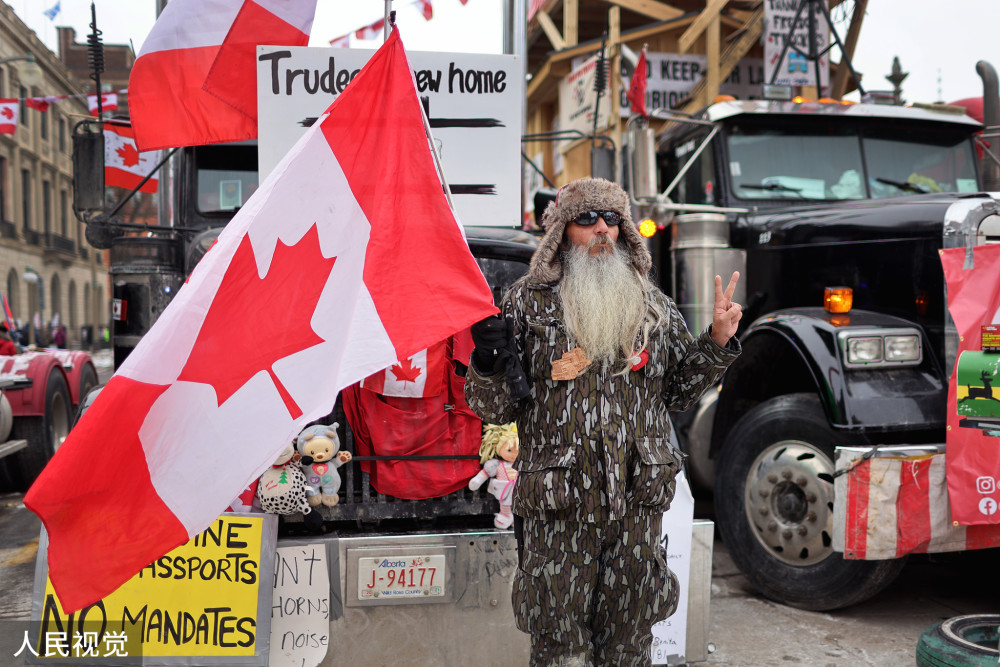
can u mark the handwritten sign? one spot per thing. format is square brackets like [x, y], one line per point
[472, 101]
[207, 599]
[670, 635]
[671, 77]
[300, 606]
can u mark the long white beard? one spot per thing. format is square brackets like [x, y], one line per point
[603, 301]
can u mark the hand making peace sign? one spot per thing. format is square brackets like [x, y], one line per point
[726, 314]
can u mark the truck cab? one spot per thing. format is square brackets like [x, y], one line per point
[834, 214]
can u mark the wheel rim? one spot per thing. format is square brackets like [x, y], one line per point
[789, 502]
[58, 420]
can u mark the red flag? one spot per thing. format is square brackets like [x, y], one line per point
[233, 77]
[8, 116]
[124, 166]
[42, 103]
[426, 9]
[109, 102]
[354, 280]
[342, 42]
[370, 31]
[176, 99]
[637, 89]
[973, 466]
[439, 425]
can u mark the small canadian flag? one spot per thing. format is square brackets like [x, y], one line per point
[124, 166]
[109, 102]
[418, 376]
[8, 116]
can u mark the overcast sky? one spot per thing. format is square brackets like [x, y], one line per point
[937, 43]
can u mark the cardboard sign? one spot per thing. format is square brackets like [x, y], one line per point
[472, 101]
[300, 609]
[207, 602]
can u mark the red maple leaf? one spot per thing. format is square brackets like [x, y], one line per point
[235, 343]
[129, 155]
[7, 113]
[405, 371]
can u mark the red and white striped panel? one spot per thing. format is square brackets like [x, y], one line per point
[896, 503]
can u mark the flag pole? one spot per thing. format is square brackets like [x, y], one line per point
[430, 135]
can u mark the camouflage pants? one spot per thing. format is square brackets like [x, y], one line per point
[589, 593]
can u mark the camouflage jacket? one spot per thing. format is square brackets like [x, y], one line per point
[596, 447]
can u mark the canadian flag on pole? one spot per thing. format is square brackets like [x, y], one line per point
[195, 80]
[8, 116]
[109, 102]
[124, 166]
[351, 249]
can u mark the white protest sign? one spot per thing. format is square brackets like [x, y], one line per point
[473, 102]
[578, 99]
[670, 635]
[670, 77]
[780, 24]
[300, 606]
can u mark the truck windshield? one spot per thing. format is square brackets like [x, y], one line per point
[226, 177]
[842, 161]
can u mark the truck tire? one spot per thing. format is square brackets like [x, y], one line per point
[44, 434]
[774, 506]
[969, 641]
[88, 380]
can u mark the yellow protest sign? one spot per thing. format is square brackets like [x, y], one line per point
[209, 598]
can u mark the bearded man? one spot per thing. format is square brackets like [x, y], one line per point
[605, 355]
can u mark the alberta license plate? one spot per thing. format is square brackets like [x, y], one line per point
[400, 577]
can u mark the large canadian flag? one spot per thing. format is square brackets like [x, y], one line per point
[124, 166]
[351, 249]
[8, 116]
[195, 79]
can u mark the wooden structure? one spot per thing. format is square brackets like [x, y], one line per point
[561, 32]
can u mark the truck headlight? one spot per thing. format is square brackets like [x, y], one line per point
[869, 348]
[864, 350]
[902, 348]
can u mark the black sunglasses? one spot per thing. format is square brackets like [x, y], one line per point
[588, 218]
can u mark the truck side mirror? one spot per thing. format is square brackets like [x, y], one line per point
[88, 167]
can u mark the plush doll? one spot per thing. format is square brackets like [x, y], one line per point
[497, 453]
[281, 489]
[319, 446]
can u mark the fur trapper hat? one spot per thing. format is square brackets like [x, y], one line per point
[586, 194]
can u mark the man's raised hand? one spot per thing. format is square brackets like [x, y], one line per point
[726, 314]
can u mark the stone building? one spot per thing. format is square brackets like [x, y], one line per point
[47, 269]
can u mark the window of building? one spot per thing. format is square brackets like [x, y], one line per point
[62, 135]
[13, 290]
[56, 290]
[43, 125]
[22, 109]
[64, 213]
[47, 206]
[3, 188]
[73, 315]
[26, 198]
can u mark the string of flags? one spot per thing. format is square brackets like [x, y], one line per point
[374, 29]
[10, 108]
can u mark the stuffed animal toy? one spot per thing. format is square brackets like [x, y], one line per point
[497, 453]
[319, 446]
[281, 489]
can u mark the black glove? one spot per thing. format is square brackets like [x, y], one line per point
[496, 349]
[490, 337]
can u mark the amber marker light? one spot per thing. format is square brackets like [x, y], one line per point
[838, 299]
[647, 227]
